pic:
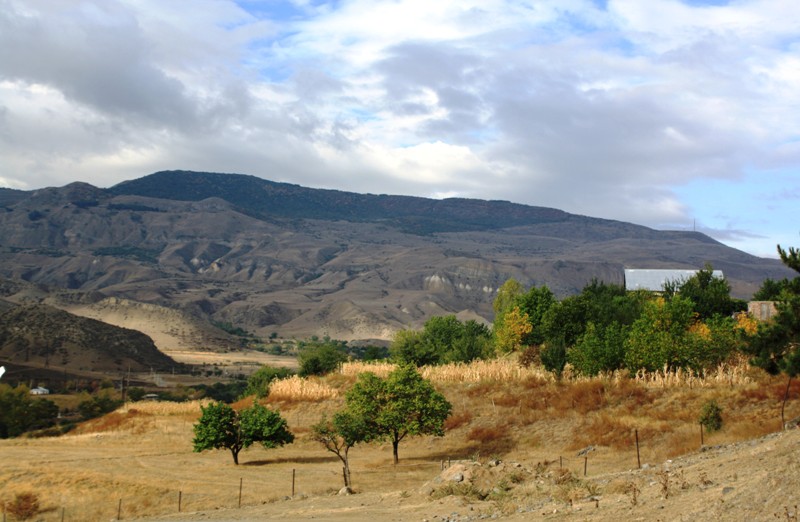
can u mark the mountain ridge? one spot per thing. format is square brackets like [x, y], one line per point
[277, 258]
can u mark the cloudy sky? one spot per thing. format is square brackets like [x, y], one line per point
[674, 114]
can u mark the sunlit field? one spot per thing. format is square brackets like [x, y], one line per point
[138, 460]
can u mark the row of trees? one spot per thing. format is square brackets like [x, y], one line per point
[691, 324]
[399, 406]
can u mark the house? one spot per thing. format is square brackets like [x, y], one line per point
[654, 280]
[40, 391]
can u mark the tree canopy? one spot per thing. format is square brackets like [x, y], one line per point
[404, 404]
[222, 427]
[443, 339]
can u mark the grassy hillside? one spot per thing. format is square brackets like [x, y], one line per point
[524, 429]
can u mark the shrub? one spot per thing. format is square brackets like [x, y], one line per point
[24, 506]
[554, 358]
[136, 394]
[319, 358]
[97, 405]
[530, 356]
[711, 416]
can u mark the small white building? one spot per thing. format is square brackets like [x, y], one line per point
[40, 391]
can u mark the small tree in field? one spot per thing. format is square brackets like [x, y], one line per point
[401, 405]
[220, 426]
[338, 435]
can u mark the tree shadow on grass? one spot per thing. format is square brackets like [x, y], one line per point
[494, 447]
[286, 460]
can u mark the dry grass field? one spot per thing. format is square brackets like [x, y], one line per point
[137, 462]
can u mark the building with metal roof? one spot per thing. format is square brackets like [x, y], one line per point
[655, 279]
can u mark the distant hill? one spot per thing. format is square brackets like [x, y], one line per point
[276, 258]
[43, 337]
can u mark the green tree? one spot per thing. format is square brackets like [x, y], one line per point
[565, 321]
[771, 290]
[661, 336]
[439, 335]
[136, 393]
[220, 426]
[776, 345]
[408, 348]
[473, 342]
[535, 303]
[554, 357]
[443, 339]
[404, 404]
[20, 413]
[338, 435]
[98, 404]
[599, 349]
[598, 303]
[258, 383]
[710, 294]
[321, 357]
[711, 416]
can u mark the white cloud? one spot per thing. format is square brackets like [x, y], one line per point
[607, 112]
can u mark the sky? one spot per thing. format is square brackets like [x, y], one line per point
[673, 114]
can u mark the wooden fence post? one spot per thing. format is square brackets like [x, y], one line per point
[119, 510]
[293, 477]
[180, 497]
[638, 458]
[241, 479]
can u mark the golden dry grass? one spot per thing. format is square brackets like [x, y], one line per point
[507, 369]
[142, 453]
[301, 389]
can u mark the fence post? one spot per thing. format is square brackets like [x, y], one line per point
[701, 435]
[585, 464]
[293, 476]
[119, 510]
[638, 458]
[180, 497]
[240, 490]
[560, 462]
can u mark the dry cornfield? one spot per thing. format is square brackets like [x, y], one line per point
[138, 461]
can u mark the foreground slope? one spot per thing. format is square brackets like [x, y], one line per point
[516, 447]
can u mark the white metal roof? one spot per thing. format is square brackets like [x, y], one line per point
[654, 279]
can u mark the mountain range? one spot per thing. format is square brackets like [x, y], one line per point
[277, 259]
